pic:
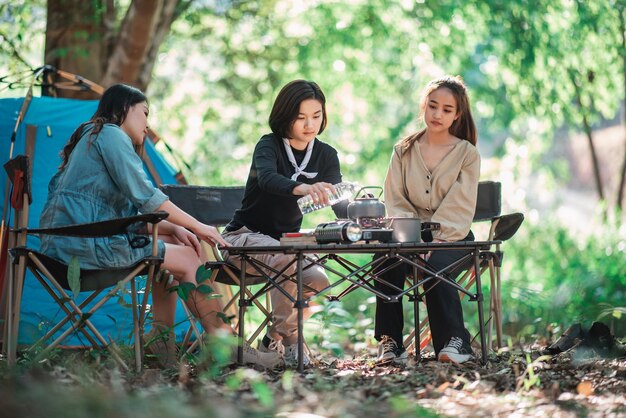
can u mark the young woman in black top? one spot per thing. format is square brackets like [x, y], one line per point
[287, 164]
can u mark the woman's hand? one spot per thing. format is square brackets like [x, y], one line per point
[428, 254]
[318, 191]
[186, 238]
[210, 234]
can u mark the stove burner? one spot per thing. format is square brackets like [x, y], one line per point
[372, 223]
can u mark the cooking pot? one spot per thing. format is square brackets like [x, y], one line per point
[366, 206]
[405, 229]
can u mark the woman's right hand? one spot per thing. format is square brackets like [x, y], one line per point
[210, 234]
[318, 191]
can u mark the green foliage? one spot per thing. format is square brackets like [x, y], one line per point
[202, 274]
[556, 275]
[257, 384]
[405, 407]
[73, 276]
[22, 35]
[216, 354]
[184, 288]
[530, 379]
[235, 60]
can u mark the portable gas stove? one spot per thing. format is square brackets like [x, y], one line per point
[374, 229]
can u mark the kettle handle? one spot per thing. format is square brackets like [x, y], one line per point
[356, 195]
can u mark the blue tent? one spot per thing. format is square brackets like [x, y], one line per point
[55, 120]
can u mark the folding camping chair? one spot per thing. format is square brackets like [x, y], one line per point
[215, 205]
[57, 277]
[503, 227]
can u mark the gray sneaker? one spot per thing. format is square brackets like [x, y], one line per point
[267, 360]
[389, 350]
[291, 356]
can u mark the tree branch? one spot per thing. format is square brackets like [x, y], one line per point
[13, 50]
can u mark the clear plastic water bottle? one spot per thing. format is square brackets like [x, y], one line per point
[343, 191]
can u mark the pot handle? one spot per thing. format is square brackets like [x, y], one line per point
[356, 196]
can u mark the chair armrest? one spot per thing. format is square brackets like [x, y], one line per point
[507, 226]
[106, 228]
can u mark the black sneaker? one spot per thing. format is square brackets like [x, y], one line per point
[603, 342]
[388, 350]
[456, 351]
[571, 338]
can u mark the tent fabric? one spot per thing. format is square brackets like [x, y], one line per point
[55, 119]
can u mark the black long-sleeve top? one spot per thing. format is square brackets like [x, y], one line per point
[268, 205]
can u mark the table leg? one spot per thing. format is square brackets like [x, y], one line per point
[242, 310]
[300, 307]
[416, 312]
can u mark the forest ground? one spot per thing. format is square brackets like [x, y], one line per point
[520, 382]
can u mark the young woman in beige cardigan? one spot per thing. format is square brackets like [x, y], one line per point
[433, 175]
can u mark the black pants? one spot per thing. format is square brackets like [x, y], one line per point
[442, 301]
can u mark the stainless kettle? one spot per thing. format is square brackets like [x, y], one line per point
[366, 206]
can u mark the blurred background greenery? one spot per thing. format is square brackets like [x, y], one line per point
[546, 80]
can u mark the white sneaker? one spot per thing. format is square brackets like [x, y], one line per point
[456, 351]
[273, 346]
[291, 356]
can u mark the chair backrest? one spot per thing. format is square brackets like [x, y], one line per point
[489, 202]
[213, 205]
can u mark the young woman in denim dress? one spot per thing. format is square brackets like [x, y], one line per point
[102, 177]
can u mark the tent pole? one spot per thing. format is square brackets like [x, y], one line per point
[7, 188]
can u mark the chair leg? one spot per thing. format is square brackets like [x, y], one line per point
[7, 291]
[193, 330]
[16, 286]
[136, 332]
[493, 305]
[8, 339]
[82, 320]
[498, 308]
[69, 314]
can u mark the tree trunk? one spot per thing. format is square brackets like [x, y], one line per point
[168, 14]
[588, 132]
[75, 34]
[135, 41]
[82, 38]
[622, 181]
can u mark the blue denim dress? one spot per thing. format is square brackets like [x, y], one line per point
[103, 179]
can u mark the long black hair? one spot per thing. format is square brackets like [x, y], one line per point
[112, 108]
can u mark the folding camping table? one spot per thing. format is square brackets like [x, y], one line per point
[361, 276]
